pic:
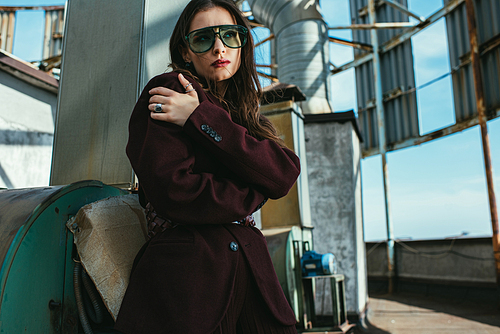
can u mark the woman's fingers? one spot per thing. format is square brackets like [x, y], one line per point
[175, 107]
[188, 86]
[162, 91]
[160, 99]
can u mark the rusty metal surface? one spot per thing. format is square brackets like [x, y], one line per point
[396, 71]
[53, 33]
[400, 109]
[54, 24]
[487, 16]
[16, 206]
[358, 45]
[7, 23]
[481, 109]
[15, 9]
[408, 33]
[433, 135]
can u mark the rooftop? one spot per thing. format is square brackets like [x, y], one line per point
[409, 313]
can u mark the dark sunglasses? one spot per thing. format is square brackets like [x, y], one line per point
[202, 40]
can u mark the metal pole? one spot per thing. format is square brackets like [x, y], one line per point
[478, 86]
[379, 102]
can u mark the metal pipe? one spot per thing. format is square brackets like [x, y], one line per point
[265, 40]
[478, 87]
[357, 45]
[302, 48]
[379, 102]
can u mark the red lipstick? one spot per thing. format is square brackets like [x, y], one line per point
[221, 63]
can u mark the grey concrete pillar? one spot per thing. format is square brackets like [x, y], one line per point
[111, 49]
[334, 174]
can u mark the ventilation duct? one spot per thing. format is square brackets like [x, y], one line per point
[302, 50]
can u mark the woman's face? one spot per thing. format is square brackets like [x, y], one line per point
[220, 62]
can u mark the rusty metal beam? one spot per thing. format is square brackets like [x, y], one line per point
[481, 112]
[7, 20]
[265, 40]
[357, 45]
[403, 9]
[489, 45]
[383, 25]
[14, 9]
[399, 91]
[407, 34]
[255, 24]
[379, 103]
[455, 128]
[356, 62]
[269, 66]
[267, 76]
[47, 36]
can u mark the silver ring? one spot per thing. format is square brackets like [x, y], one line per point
[190, 90]
[189, 84]
[158, 107]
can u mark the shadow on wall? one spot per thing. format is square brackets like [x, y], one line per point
[5, 178]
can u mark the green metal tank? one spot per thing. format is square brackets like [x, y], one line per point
[36, 256]
[286, 248]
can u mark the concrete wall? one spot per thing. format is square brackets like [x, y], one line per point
[333, 162]
[467, 262]
[27, 116]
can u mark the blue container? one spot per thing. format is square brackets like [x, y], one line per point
[314, 264]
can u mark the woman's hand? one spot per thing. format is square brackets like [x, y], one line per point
[175, 107]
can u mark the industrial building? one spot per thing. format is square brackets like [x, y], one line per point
[71, 132]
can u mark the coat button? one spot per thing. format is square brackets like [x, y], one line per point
[217, 138]
[204, 127]
[234, 246]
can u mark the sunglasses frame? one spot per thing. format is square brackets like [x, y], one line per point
[211, 28]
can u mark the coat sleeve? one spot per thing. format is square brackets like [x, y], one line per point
[262, 163]
[161, 155]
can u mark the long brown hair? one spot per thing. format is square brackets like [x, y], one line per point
[242, 97]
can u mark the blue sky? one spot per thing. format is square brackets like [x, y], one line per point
[437, 189]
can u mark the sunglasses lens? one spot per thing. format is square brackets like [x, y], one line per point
[201, 40]
[233, 37]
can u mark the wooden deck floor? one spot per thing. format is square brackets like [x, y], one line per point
[417, 314]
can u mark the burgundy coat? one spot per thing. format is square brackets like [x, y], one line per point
[203, 176]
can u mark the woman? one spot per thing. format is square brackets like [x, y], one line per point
[206, 160]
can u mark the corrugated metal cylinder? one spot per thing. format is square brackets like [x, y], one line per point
[302, 51]
[303, 60]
